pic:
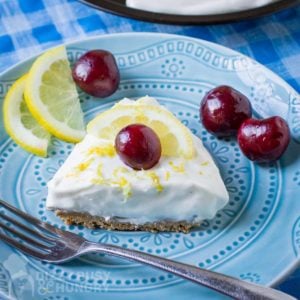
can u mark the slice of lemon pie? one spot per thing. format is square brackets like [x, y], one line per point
[138, 168]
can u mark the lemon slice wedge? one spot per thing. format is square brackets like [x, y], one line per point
[176, 139]
[52, 98]
[20, 124]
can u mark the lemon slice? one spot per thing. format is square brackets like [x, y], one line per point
[176, 139]
[20, 124]
[52, 98]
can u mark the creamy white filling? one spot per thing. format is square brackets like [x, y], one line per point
[196, 7]
[175, 189]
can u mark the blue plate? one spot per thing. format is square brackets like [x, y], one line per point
[255, 238]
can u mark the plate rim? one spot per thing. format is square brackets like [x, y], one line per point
[121, 9]
[143, 34]
[296, 263]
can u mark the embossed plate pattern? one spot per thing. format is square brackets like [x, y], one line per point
[256, 237]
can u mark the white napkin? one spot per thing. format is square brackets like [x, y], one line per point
[196, 7]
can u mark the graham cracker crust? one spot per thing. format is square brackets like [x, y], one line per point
[90, 221]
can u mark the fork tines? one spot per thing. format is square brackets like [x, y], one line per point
[21, 236]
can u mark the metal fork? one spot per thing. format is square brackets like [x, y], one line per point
[48, 243]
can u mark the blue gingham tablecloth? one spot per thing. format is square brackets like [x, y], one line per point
[29, 26]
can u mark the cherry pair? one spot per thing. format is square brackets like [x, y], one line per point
[225, 111]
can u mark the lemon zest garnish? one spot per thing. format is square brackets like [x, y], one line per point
[84, 165]
[126, 187]
[124, 184]
[179, 168]
[100, 179]
[167, 175]
[127, 193]
[205, 163]
[107, 150]
[99, 170]
[80, 168]
[156, 181]
[121, 182]
[120, 170]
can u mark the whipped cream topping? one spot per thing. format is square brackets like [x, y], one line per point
[94, 180]
[196, 7]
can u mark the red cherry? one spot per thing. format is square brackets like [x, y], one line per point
[264, 140]
[138, 146]
[223, 109]
[96, 72]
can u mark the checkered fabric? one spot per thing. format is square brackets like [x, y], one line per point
[29, 26]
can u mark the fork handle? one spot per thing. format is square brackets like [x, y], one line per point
[224, 284]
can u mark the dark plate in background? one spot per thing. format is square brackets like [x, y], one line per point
[119, 7]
